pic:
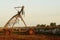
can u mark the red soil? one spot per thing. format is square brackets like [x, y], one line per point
[30, 37]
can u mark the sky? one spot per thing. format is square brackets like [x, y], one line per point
[36, 11]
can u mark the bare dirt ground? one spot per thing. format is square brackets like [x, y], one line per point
[39, 37]
[30, 37]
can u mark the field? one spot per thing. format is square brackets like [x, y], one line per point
[30, 37]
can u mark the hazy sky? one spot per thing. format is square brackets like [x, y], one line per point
[36, 11]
